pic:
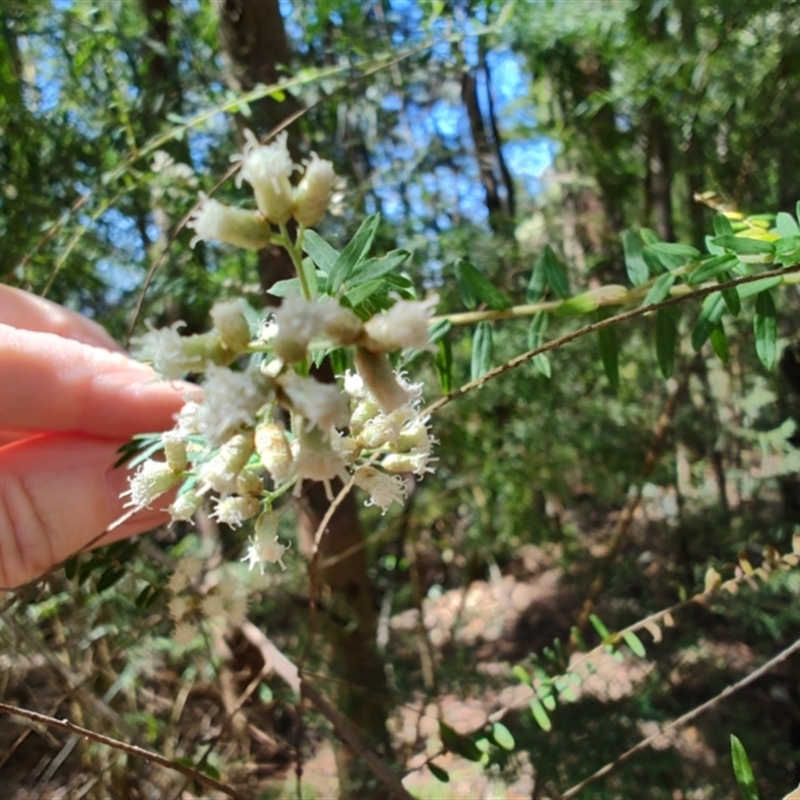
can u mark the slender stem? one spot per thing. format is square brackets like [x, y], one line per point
[295, 251]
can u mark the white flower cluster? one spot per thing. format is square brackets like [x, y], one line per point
[268, 169]
[227, 441]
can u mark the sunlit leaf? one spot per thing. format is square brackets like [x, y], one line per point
[635, 644]
[482, 347]
[765, 327]
[710, 314]
[743, 771]
[502, 736]
[355, 252]
[660, 289]
[540, 715]
[635, 265]
[475, 288]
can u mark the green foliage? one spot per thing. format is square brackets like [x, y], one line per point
[743, 771]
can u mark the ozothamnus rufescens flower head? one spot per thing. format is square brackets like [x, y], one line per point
[174, 356]
[150, 481]
[377, 373]
[185, 505]
[214, 221]
[231, 324]
[235, 510]
[316, 460]
[268, 168]
[404, 325]
[313, 194]
[383, 489]
[274, 451]
[322, 404]
[264, 547]
[231, 400]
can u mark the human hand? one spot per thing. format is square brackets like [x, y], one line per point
[69, 398]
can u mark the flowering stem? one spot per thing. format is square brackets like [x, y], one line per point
[295, 251]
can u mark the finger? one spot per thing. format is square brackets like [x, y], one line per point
[58, 493]
[55, 384]
[31, 313]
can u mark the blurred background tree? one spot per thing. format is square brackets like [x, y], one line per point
[557, 128]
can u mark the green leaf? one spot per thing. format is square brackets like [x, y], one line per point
[482, 347]
[538, 283]
[743, 771]
[660, 289]
[578, 305]
[635, 264]
[292, 285]
[549, 702]
[355, 252]
[731, 298]
[787, 251]
[722, 226]
[710, 314]
[635, 644]
[744, 246]
[109, 578]
[711, 268]
[439, 330]
[211, 771]
[540, 715]
[666, 337]
[380, 286]
[374, 268]
[438, 773]
[786, 225]
[464, 746]
[719, 342]
[660, 257]
[682, 251]
[555, 273]
[476, 288]
[765, 327]
[502, 736]
[599, 626]
[521, 674]
[443, 362]
[320, 252]
[756, 287]
[609, 353]
[577, 637]
[649, 236]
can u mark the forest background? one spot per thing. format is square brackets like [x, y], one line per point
[554, 146]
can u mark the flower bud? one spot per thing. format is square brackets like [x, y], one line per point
[274, 451]
[231, 325]
[264, 547]
[175, 450]
[151, 480]
[377, 374]
[322, 404]
[234, 510]
[312, 196]
[267, 168]
[404, 325]
[383, 489]
[185, 506]
[237, 226]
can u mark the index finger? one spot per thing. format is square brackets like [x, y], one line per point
[48, 383]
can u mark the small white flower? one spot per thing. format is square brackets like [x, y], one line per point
[267, 168]
[214, 221]
[322, 404]
[248, 482]
[378, 431]
[175, 450]
[383, 489]
[229, 321]
[312, 196]
[178, 606]
[346, 447]
[230, 400]
[212, 605]
[150, 481]
[185, 633]
[165, 349]
[264, 547]
[316, 460]
[185, 505]
[408, 462]
[274, 451]
[404, 325]
[234, 510]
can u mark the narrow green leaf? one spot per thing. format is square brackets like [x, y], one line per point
[292, 285]
[438, 773]
[731, 298]
[649, 236]
[464, 746]
[502, 736]
[786, 225]
[555, 273]
[787, 251]
[609, 353]
[540, 715]
[660, 289]
[577, 306]
[577, 637]
[109, 578]
[374, 268]
[660, 259]
[309, 271]
[476, 288]
[744, 246]
[542, 365]
[743, 771]
[482, 346]
[521, 674]
[666, 337]
[355, 252]
[719, 343]
[439, 330]
[722, 226]
[537, 283]
[211, 771]
[443, 362]
[635, 264]
[765, 327]
[599, 626]
[684, 251]
[549, 702]
[710, 314]
[756, 287]
[711, 268]
[320, 252]
[635, 644]
[71, 568]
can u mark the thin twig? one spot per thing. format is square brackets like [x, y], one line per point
[148, 755]
[682, 720]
